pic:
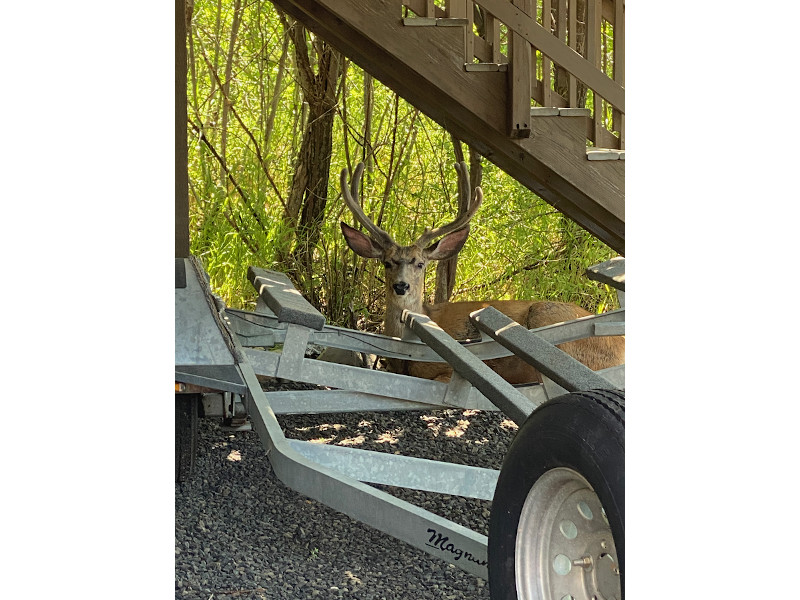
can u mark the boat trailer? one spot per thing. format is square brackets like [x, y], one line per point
[220, 353]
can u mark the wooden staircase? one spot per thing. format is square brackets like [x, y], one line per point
[488, 91]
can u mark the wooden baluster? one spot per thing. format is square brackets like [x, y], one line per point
[459, 9]
[493, 36]
[519, 79]
[593, 54]
[430, 9]
[561, 20]
[573, 32]
[561, 34]
[593, 32]
[536, 87]
[546, 23]
[469, 34]
[619, 64]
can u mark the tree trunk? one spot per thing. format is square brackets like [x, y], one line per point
[369, 102]
[269, 126]
[308, 197]
[446, 269]
[226, 83]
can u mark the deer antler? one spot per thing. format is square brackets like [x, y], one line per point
[472, 202]
[353, 202]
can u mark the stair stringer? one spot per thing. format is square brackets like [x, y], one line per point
[425, 67]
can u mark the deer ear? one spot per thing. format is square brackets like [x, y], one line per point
[360, 243]
[448, 246]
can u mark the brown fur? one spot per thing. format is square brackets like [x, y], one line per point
[596, 353]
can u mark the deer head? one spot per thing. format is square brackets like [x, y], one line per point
[405, 265]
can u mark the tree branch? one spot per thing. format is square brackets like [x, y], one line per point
[235, 113]
[230, 176]
[506, 276]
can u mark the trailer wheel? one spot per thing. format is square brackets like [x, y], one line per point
[186, 421]
[557, 525]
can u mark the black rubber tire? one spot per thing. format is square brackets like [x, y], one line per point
[583, 431]
[187, 409]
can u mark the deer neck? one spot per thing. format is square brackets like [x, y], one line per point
[395, 305]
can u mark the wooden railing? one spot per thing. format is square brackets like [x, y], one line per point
[559, 53]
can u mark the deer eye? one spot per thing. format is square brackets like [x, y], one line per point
[420, 265]
[387, 264]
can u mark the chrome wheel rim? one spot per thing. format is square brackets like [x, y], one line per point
[564, 547]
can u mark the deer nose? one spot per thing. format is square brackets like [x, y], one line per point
[400, 288]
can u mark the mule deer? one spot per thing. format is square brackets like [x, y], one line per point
[405, 278]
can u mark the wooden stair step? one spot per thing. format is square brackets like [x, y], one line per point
[485, 67]
[593, 153]
[544, 111]
[574, 112]
[451, 22]
[434, 22]
[554, 111]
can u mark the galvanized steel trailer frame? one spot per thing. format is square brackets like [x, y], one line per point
[217, 349]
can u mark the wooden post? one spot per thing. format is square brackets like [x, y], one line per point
[561, 23]
[594, 10]
[181, 145]
[462, 9]
[572, 29]
[561, 34]
[469, 34]
[546, 20]
[519, 79]
[457, 9]
[593, 54]
[619, 64]
[493, 36]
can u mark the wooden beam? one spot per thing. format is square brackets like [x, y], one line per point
[619, 44]
[519, 80]
[619, 63]
[181, 141]
[572, 28]
[469, 35]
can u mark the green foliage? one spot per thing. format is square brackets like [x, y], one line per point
[519, 246]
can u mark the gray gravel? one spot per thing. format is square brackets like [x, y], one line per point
[240, 533]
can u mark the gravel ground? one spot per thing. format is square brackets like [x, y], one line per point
[240, 533]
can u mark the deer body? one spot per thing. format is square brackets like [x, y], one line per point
[453, 317]
[405, 277]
